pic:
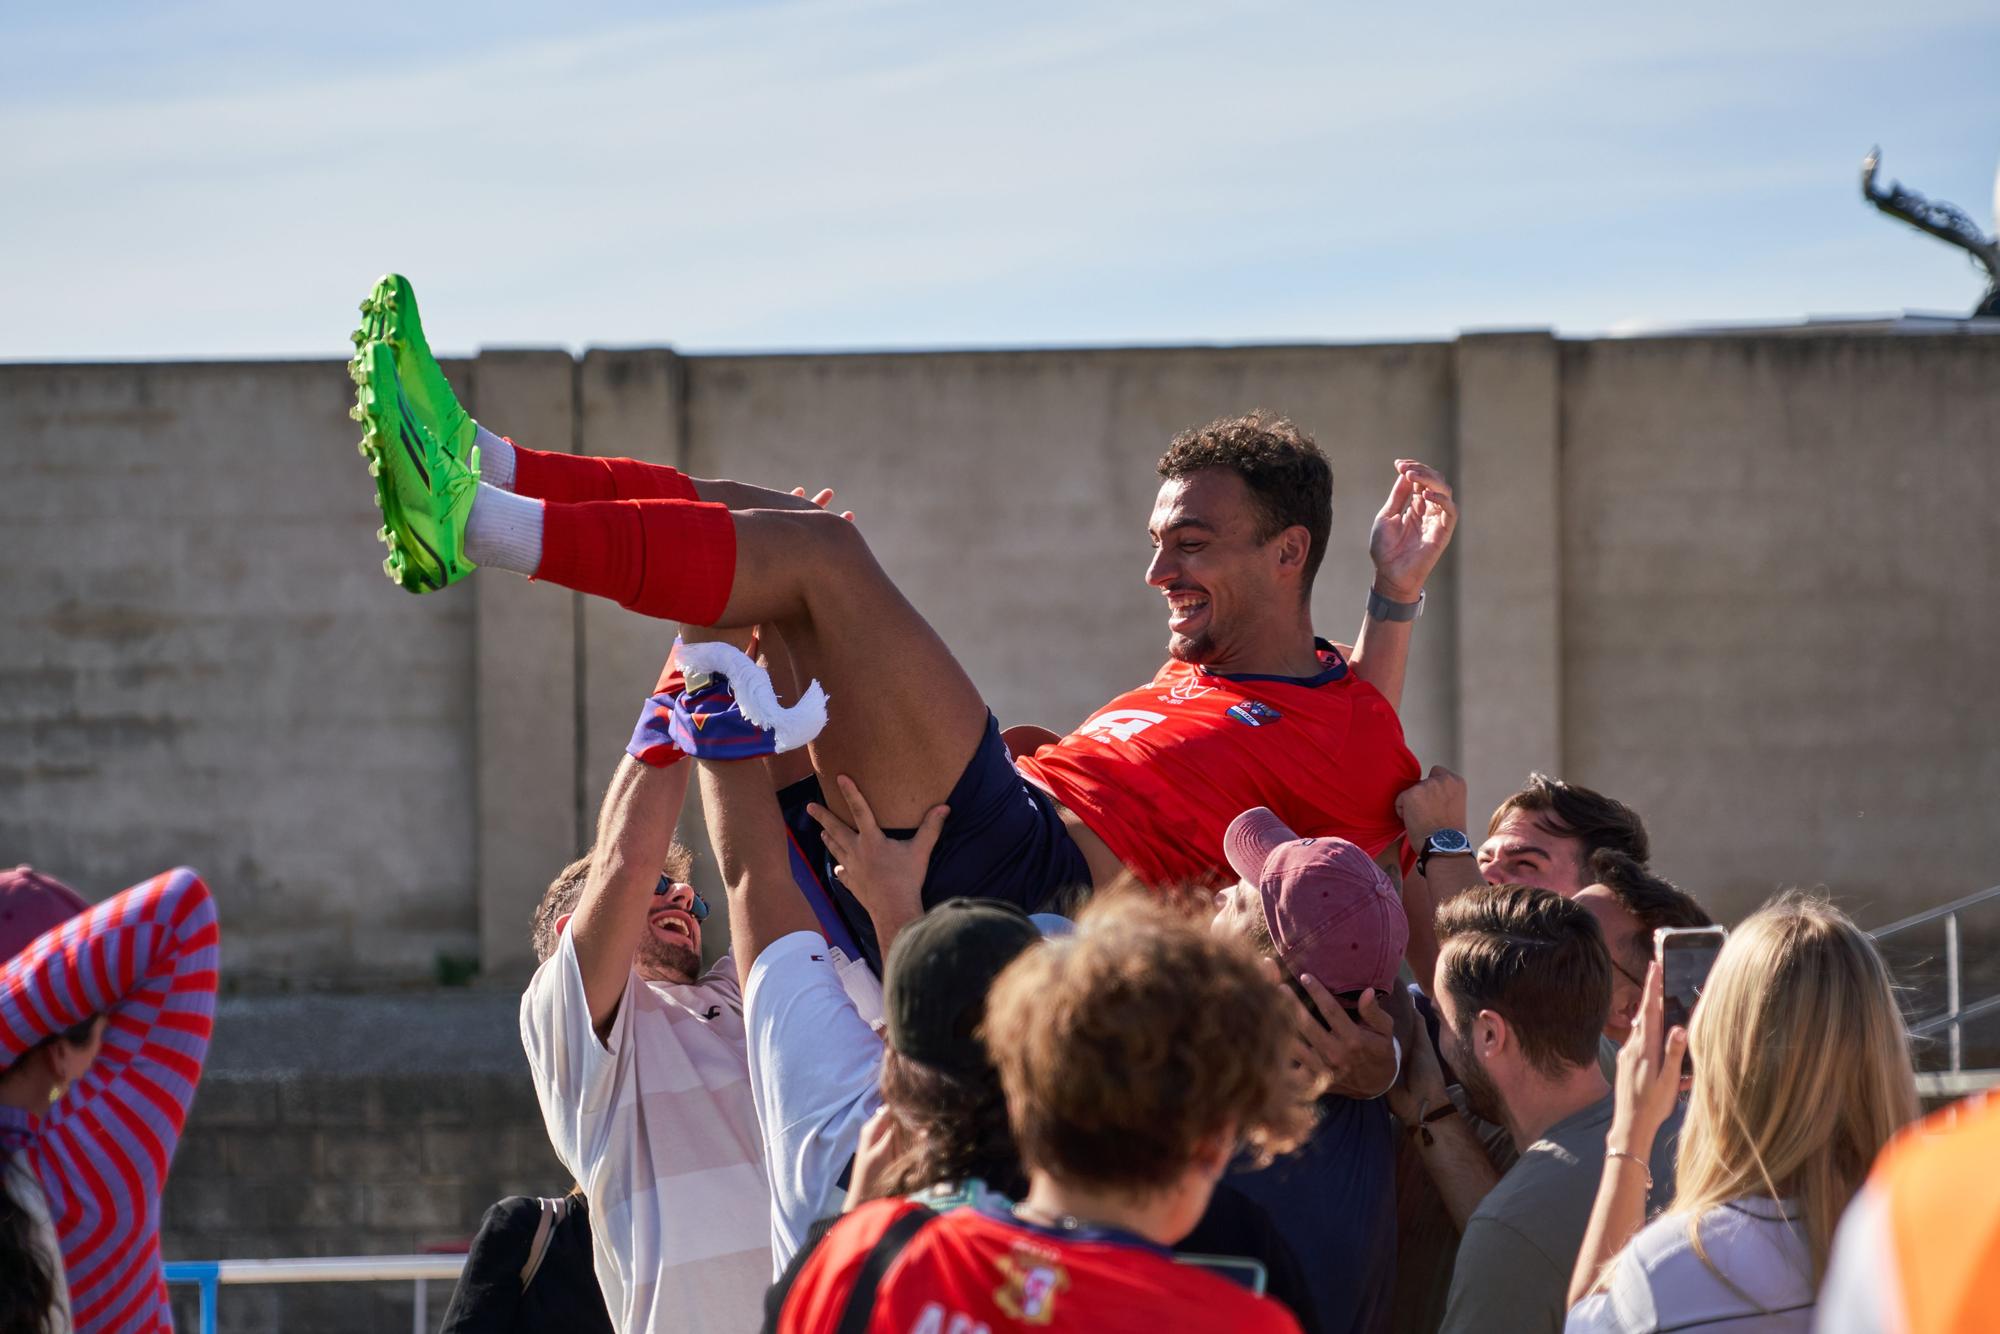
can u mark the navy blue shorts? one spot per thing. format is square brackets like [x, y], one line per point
[1004, 839]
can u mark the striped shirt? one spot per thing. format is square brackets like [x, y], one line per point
[147, 959]
[657, 1122]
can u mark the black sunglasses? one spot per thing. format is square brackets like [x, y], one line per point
[697, 909]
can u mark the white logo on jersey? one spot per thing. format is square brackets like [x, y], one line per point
[1185, 690]
[1120, 724]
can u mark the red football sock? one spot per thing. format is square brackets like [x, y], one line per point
[675, 559]
[571, 479]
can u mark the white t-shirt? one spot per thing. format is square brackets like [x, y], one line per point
[658, 1124]
[1659, 1283]
[815, 1071]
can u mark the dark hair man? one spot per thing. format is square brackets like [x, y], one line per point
[1523, 987]
[1630, 903]
[1252, 709]
[1136, 1055]
[1546, 834]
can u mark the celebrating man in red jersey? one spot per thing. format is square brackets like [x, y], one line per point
[1252, 711]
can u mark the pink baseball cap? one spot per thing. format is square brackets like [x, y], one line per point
[31, 903]
[1331, 910]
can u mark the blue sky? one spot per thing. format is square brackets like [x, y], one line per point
[225, 178]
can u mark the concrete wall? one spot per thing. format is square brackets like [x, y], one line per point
[1741, 581]
[351, 1126]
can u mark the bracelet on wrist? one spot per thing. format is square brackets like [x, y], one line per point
[1428, 1116]
[1642, 1164]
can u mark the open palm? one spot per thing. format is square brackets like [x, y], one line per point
[1412, 530]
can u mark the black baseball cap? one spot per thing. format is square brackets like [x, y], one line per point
[938, 972]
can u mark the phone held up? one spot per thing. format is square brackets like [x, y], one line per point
[1686, 955]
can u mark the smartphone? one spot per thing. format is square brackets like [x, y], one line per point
[1686, 954]
[1239, 1270]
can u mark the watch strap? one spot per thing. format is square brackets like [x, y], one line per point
[1382, 609]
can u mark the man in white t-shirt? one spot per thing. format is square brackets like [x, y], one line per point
[640, 1065]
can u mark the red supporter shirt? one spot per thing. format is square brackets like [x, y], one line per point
[971, 1272]
[1159, 772]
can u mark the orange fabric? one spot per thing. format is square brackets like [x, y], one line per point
[1943, 1184]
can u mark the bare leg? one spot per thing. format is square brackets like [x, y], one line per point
[903, 717]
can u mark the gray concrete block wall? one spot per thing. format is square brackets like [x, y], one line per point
[203, 664]
[1781, 564]
[1764, 557]
[381, 1125]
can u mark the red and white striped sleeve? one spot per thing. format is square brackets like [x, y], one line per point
[146, 958]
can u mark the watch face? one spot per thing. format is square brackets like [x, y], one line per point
[1450, 842]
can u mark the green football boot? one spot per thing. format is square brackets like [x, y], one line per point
[389, 315]
[424, 488]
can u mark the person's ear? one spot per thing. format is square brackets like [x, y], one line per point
[1493, 1033]
[1294, 545]
[1213, 1154]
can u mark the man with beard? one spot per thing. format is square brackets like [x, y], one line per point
[1523, 988]
[641, 1060]
[1252, 710]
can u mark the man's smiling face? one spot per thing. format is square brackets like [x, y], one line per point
[672, 948]
[1225, 584]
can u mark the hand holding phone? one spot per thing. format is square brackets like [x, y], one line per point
[1686, 955]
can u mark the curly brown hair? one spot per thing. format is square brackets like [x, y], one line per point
[1124, 1046]
[1289, 478]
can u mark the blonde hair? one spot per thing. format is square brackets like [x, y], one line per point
[1122, 1046]
[1801, 1071]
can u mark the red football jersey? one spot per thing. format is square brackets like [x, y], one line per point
[971, 1272]
[1159, 772]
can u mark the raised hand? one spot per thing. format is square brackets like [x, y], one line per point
[1412, 530]
[1649, 1074]
[886, 874]
[1358, 1060]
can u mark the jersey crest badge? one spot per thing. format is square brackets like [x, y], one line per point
[1029, 1285]
[1254, 713]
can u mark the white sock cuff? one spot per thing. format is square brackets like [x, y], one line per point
[504, 530]
[496, 458]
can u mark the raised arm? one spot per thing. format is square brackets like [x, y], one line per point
[748, 834]
[635, 830]
[1410, 534]
[1452, 1154]
[146, 958]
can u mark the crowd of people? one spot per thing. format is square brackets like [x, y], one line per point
[1209, 1014]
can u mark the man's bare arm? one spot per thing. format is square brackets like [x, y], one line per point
[1452, 1154]
[635, 829]
[748, 835]
[1410, 534]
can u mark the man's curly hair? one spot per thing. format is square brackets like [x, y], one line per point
[1289, 478]
[1125, 1045]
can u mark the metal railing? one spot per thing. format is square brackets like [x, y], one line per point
[1956, 1013]
[211, 1275]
